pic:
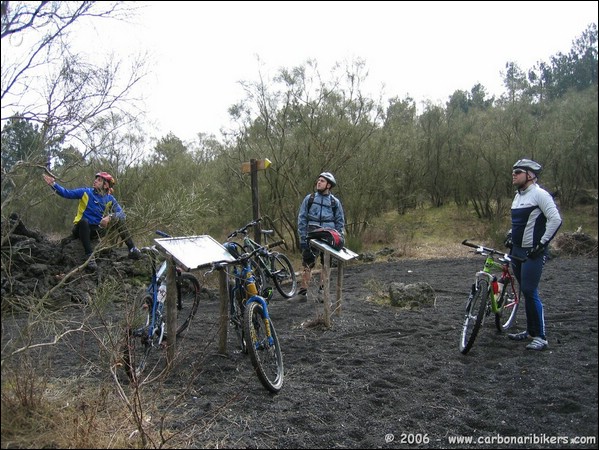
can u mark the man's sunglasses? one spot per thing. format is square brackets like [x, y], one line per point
[518, 171]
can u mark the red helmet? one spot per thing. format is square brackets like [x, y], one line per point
[107, 177]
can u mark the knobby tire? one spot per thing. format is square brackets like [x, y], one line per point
[508, 308]
[283, 275]
[267, 358]
[475, 314]
[187, 305]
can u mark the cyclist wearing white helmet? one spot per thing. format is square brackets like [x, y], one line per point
[535, 222]
[97, 209]
[320, 209]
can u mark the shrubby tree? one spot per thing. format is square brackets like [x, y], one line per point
[63, 95]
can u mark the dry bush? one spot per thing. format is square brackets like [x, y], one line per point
[575, 244]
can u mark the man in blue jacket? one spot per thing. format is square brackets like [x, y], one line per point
[97, 210]
[320, 209]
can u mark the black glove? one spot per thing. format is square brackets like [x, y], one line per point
[508, 240]
[536, 251]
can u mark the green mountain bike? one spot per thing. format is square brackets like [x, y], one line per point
[493, 292]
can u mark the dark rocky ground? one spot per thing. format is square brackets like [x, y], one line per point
[380, 377]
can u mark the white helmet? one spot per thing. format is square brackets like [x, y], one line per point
[329, 177]
[528, 164]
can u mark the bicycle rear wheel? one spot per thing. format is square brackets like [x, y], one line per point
[475, 312]
[140, 345]
[283, 275]
[508, 307]
[187, 303]
[265, 352]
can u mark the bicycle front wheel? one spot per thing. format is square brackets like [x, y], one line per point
[475, 312]
[264, 350]
[140, 343]
[508, 307]
[188, 288]
[283, 275]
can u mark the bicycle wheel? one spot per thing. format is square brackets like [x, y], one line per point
[508, 307]
[265, 352]
[283, 275]
[139, 344]
[475, 312]
[187, 303]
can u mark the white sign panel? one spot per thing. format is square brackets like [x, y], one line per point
[193, 252]
[344, 254]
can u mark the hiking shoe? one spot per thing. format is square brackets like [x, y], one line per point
[537, 344]
[92, 265]
[301, 296]
[134, 253]
[522, 336]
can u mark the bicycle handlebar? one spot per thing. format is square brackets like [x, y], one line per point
[244, 229]
[492, 251]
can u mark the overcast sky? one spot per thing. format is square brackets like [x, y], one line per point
[427, 50]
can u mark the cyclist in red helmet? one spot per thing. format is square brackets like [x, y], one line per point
[98, 209]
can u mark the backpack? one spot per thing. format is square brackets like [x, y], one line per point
[329, 236]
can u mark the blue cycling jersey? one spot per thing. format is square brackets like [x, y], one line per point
[93, 205]
[535, 218]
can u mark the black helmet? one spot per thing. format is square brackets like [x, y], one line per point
[329, 177]
[528, 164]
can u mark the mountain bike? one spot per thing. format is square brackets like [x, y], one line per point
[248, 313]
[489, 294]
[147, 331]
[273, 264]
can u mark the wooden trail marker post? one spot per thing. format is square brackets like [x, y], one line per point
[252, 167]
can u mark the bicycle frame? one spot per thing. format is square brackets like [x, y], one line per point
[268, 264]
[489, 268]
[265, 261]
[243, 290]
[157, 307]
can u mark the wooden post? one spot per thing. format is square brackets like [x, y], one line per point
[224, 311]
[253, 166]
[255, 198]
[339, 287]
[326, 272]
[171, 310]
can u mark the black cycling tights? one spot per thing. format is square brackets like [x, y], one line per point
[86, 232]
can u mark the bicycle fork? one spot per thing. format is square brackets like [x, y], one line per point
[488, 278]
[266, 317]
